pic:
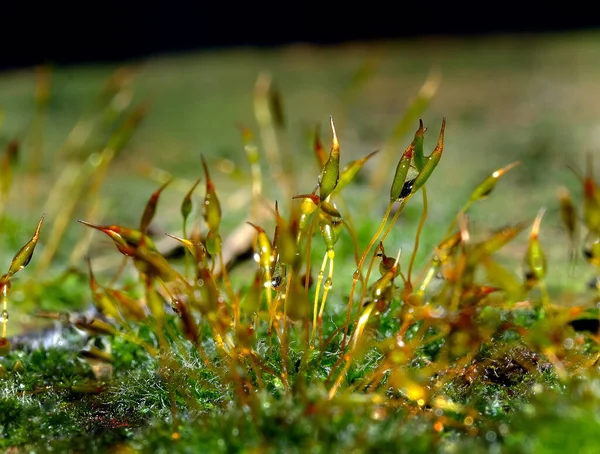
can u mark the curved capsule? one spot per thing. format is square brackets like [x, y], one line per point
[211, 209]
[186, 204]
[213, 242]
[330, 231]
[487, 186]
[418, 146]
[264, 254]
[330, 174]
[150, 209]
[387, 263]
[310, 202]
[568, 212]
[402, 168]
[330, 224]
[384, 285]
[23, 257]
[431, 162]
[535, 258]
[350, 171]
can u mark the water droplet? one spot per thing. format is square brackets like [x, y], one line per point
[491, 436]
[356, 275]
[200, 282]
[328, 283]
[568, 343]
[4, 316]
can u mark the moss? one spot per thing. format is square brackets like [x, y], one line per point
[473, 359]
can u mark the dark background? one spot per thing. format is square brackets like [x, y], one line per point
[32, 34]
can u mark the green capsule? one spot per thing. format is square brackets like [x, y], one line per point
[264, 249]
[431, 162]
[23, 257]
[383, 287]
[330, 224]
[310, 202]
[211, 210]
[213, 242]
[568, 212]
[329, 210]
[487, 186]
[330, 230]
[387, 263]
[330, 174]
[150, 209]
[186, 204]
[418, 146]
[535, 259]
[398, 184]
[350, 171]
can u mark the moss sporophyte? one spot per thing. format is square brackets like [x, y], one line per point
[276, 348]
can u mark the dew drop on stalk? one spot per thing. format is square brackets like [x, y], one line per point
[4, 316]
[356, 274]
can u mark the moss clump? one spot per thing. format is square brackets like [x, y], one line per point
[187, 353]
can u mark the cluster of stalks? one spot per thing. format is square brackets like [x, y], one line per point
[272, 334]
